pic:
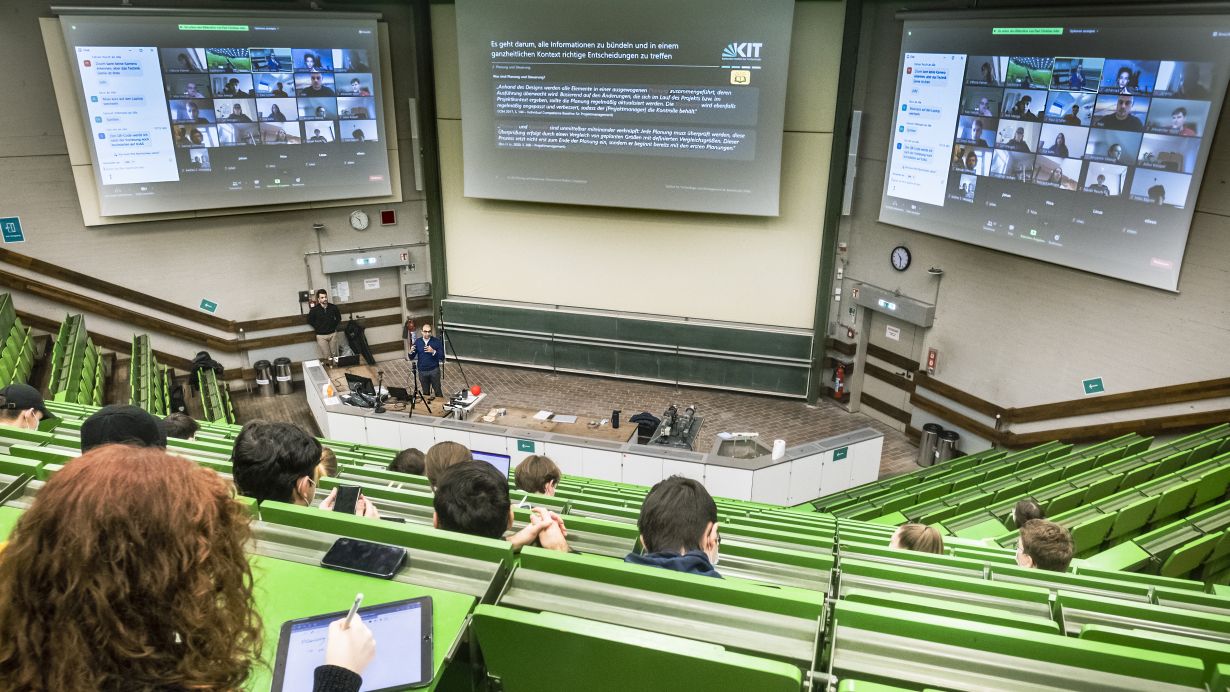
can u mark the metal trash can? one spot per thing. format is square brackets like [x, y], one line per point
[946, 448]
[927, 443]
[264, 377]
[281, 372]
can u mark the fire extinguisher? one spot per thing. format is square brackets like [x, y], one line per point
[839, 382]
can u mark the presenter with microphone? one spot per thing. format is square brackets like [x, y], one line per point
[428, 350]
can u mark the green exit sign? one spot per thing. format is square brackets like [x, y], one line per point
[1093, 386]
[525, 446]
[840, 453]
[209, 306]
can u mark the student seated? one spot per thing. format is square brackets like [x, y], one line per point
[129, 572]
[1026, 510]
[1043, 544]
[679, 529]
[537, 474]
[180, 426]
[328, 462]
[919, 537]
[408, 461]
[125, 425]
[21, 406]
[472, 498]
[441, 456]
[280, 462]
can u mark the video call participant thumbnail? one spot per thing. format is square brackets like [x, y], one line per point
[198, 112]
[1105, 179]
[182, 60]
[1112, 146]
[194, 136]
[985, 70]
[319, 131]
[976, 130]
[228, 60]
[313, 59]
[1018, 136]
[1186, 80]
[354, 84]
[1129, 77]
[1177, 117]
[1069, 108]
[1120, 112]
[314, 84]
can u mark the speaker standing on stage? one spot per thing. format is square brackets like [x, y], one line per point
[325, 319]
[429, 351]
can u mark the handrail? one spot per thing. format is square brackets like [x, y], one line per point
[1125, 401]
[232, 345]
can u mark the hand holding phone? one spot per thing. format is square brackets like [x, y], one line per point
[347, 499]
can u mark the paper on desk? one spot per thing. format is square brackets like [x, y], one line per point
[542, 415]
[564, 419]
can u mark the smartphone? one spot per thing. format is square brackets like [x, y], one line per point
[364, 557]
[395, 520]
[347, 499]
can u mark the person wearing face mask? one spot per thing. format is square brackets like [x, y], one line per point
[280, 462]
[21, 406]
[679, 529]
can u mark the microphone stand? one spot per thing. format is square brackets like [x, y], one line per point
[449, 341]
[379, 386]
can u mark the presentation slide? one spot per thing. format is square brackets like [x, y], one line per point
[1076, 141]
[183, 113]
[674, 104]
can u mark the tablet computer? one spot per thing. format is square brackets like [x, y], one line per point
[403, 647]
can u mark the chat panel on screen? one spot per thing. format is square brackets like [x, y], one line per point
[1077, 141]
[187, 113]
[674, 105]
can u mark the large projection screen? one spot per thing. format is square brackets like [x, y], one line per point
[188, 113]
[1076, 141]
[652, 104]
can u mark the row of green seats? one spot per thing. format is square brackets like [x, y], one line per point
[1007, 479]
[215, 399]
[149, 382]
[653, 590]
[994, 519]
[1125, 513]
[17, 353]
[76, 365]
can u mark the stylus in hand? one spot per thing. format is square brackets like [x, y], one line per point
[358, 600]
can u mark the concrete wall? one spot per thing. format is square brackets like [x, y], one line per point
[1019, 332]
[252, 265]
[742, 269]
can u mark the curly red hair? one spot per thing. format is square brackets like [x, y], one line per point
[128, 572]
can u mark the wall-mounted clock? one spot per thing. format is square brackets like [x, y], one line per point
[359, 220]
[900, 258]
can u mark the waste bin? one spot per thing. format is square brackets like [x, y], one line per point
[264, 377]
[281, 372]
[946, 448]
[927, 443]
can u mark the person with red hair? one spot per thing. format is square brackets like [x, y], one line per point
[128, 572]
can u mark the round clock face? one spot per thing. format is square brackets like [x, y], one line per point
[901, 258]
[359, 220]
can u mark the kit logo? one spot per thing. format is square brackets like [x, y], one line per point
[744, 51]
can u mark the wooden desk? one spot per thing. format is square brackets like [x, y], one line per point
[524, 418]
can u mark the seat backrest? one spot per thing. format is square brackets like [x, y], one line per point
[597, 656]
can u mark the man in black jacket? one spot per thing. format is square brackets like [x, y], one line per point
[325, 319]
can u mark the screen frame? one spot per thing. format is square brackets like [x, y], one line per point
[66, 86]
[1024, 16]
[506, 458]
[427, 620]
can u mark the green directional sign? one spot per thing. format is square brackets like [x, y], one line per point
[209, 306]
[840, 453]
[525, 446]
[1093, 386]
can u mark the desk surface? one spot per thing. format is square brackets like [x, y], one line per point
[524, 418]
[288, 590]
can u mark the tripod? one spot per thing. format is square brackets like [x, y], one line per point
[379, 387]
[417, 396]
